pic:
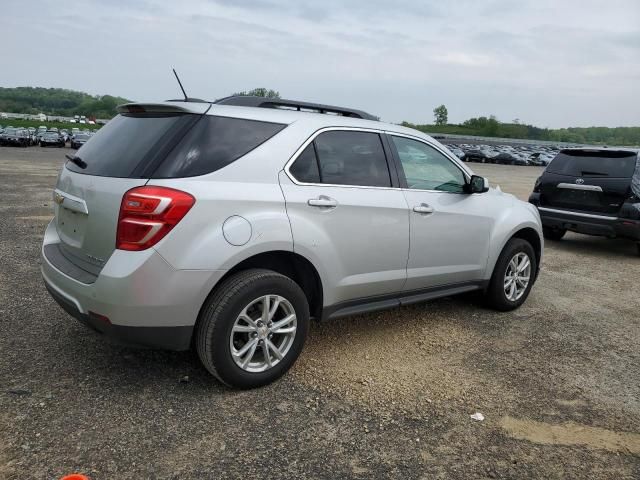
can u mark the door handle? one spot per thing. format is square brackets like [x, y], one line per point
[322, 201]
[423, 208]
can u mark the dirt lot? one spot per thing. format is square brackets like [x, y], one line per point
[386, 395]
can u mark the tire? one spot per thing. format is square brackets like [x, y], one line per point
[638, 247]
[496, 295]
[215, 330]
[553, 233]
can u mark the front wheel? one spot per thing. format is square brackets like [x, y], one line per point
[553, 233]
[513, 276]
[252, 328]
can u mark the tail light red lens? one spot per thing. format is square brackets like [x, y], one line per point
[148, 213]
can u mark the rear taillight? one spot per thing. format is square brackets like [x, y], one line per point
[148, 213]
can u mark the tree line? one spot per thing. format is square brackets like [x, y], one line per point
[63, 102]
[492, 127]
[57, 101]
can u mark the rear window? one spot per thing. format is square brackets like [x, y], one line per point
[213, 143]
[126, 142]
[594, 164]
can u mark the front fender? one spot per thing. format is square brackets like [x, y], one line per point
[518, 216]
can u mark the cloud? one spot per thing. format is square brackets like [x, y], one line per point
[547, 62]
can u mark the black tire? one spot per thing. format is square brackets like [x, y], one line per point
[495, 295]
[220, 312]
[553, 233]
[638, 247]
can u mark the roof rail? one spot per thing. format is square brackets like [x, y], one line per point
[189, 99]
[264, 102]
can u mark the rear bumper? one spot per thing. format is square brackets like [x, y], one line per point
[166, 338]
[587, 223]
[146, 301]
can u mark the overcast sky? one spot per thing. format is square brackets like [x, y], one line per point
[551, 63]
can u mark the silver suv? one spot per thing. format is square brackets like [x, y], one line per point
[229, 225]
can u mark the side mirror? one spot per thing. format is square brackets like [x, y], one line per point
[477, 184]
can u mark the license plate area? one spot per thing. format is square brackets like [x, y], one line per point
[71, 226]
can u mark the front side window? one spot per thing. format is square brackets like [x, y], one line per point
[425, 168]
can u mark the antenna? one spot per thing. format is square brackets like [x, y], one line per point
[186, 99]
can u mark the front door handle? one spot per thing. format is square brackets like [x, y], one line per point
[423, 208]
[322, 201]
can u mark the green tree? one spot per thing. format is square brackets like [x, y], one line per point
[57, 101]
[259, 92]
[441, 115]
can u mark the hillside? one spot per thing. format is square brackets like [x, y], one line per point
[491, 127]
[57, 101]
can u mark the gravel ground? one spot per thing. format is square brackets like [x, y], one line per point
[386, 395]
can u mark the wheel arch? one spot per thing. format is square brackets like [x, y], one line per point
[290, 264]
[531, 236]
[525, 232]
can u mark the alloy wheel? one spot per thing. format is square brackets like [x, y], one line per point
[517, 276]
[263, 333]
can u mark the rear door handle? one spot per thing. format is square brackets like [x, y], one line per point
[322, 201]
[423, 208]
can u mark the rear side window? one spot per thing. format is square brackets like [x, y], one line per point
[214, 143]
[594, 164]
[352, 158]
[305, 168]
[125, 142]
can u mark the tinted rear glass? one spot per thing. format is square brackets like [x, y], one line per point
[352, 158]
[214, 143]
[594, 164]
[305, 168]
[126, 142]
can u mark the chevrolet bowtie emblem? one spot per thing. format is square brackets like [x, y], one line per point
[58, 198]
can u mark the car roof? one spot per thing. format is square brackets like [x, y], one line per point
[315, 120]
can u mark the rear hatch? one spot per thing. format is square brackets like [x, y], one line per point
[595, 181]
[120, 156]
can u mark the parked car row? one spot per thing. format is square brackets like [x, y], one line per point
[43, 136]
[538, 155]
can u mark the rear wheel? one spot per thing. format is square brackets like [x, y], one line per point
[252, 329]
[638, 246]
[553, 233]
[513, 276]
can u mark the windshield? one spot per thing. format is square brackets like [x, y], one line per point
[594, 164]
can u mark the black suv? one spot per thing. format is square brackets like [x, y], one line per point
[590, 191]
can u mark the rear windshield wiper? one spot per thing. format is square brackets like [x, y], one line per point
[587, 172]
[77, 160]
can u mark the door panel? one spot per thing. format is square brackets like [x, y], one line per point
[449, 229]
[450, 244]
[357, 236]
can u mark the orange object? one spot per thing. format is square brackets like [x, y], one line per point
[75, 476]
